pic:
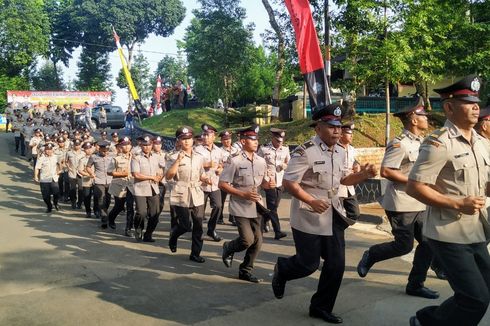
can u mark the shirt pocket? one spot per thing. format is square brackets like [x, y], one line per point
[321, 173]
[462, 170]
[245, 177]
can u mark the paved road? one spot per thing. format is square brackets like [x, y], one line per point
[61, 269]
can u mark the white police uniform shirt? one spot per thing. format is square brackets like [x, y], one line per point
[318, 170]
[214, 155]
[277, 160]
[350, 157]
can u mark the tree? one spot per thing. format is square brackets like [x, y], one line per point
[216, 45]
[47, 78]
[172, 69]
[134, 21]
[24, 31]
[93, 74]
[140, 73]
[257, 78]
[281, 55]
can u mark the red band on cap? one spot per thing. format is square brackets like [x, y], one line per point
[460, 92]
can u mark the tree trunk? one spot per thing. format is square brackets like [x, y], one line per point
[422, 90]
[280, 53]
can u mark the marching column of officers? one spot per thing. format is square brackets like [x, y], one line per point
[437, 195]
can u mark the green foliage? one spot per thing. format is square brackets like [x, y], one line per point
[47, 78]
[24, 30]
[93, 74]
[170, 70]
[216, 44]
[140, 73]
[257, 79]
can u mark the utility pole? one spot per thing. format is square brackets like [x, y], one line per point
[327, 41]
[387, 86]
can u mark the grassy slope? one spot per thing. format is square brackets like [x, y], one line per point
[369, 132]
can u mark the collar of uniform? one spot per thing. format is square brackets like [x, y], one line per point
[317, 140]
[244, 154]
[341, 145]
[411, 135]
[452, 130]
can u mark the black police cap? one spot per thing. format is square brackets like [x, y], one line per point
[466, 89]
[207, 128]
[417, 107]
[331, 114]
[251, 132]
[184, 132]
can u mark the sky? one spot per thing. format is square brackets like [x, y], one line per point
[256, 14]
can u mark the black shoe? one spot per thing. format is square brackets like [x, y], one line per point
[79, 206]
[422, 292]
[138, 234]
[49, 210]
[329, 317]
[56, 207]
[227, 255]
[104, 226]
[213, 235]
[88, 215]
[279, 235]
[278, 284]
[248, 277]
[364, 265]
[414, 321]
[197, 259]
[220, 222]
[73, 206]
[148, 239]
[172, 242]
[128, 233]
[112, 225]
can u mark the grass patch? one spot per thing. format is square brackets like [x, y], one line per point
[369, 132]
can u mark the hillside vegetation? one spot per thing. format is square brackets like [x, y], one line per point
[369, 128]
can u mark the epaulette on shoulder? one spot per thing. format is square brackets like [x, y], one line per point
[307, 144]
[438, 133]
[235, 154]
[401, 136]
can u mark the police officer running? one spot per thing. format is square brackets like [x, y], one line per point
[277, 157]
[405, 213]
[451, 177]
[243, 174]
[186, 172]
[318, 220]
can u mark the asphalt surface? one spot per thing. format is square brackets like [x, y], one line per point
[62, 269]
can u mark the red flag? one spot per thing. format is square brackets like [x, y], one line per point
[158, 91]
[309, 53]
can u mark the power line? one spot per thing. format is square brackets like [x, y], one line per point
[111, 47]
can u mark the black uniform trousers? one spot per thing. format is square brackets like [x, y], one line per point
[250, 239]
[309, 249]
[22, 145]
[216, 208]
[129, 210]
[49, 189]
[147, 207]
[272, 199]
[190, 219]
[467, 267]
[64, 185]
[405, 227]
[231, 219]
[76, 192]
[87, 198]
[163, 190]
[102, 201]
